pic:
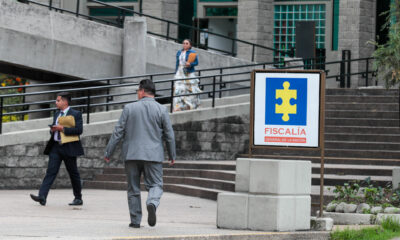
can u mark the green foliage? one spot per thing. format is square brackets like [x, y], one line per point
[391, 224]
[387, 56]
[389, 229]
[366, 192]
[348, 192]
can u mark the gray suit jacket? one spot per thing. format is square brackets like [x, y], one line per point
[142, 127]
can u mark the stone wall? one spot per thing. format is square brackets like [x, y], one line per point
[24, 165]
[215, 139]
[357, 27]
[165, 9]
[255, 25]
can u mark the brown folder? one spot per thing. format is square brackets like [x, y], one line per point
[67, 121]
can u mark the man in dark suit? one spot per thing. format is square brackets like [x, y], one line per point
[67, 152]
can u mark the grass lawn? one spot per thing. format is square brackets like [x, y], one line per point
[387, 230]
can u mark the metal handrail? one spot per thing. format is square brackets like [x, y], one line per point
[151, 76]
[168, 22]
[87, 98]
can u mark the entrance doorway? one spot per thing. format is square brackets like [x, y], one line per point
[382, 34]
[186, 10]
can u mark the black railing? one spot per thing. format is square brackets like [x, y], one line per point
[101, 93]
[123, 12]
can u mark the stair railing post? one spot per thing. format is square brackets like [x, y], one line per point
[252, 52]
[233, 47]
[213, 93]
[172, 96]
[88, 107]
[167, 30]
[77, 8]
[50, 4]
[220, 82]
[108, 98]
[342, 66]
[348, 69]
[366, 74]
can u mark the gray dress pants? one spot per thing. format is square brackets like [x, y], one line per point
[153, 181]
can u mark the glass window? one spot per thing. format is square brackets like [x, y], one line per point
[221, 11]
[285, 18]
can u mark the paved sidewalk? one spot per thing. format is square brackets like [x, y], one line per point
[104, 215]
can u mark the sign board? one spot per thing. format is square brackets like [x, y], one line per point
[286, 108]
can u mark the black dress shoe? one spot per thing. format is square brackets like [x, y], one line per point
[133, 225]
[39, 199]
[151, 218]
[76, 202]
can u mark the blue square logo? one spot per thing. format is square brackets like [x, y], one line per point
[286, 101]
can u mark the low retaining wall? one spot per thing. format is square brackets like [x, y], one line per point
[24, 165]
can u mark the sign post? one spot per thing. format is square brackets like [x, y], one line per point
[287, 112]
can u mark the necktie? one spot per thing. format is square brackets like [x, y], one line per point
[59, 134]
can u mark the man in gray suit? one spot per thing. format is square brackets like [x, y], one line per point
[142, 126]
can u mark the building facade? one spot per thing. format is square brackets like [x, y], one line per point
[338, 24]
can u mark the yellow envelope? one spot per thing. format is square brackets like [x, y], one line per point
[67, 121]
[192, 57]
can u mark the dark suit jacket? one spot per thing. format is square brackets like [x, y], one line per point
[73, 149]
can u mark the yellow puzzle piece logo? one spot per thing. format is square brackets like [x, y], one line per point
[286, 108]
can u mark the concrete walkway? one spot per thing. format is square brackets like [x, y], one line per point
[104, 215]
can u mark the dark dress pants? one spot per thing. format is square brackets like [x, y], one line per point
[56, 156]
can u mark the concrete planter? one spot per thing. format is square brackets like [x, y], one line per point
[350, 218]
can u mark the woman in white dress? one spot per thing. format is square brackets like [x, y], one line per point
[186, 59]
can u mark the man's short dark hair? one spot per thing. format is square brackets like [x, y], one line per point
[65, 96]
[148, 86]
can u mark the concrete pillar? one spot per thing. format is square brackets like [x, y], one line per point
[133, 57]
[274, 196]
[165, 9]
[255, 25]
[357, 27]
[395, 177]
[134, 48]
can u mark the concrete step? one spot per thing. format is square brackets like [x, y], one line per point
[361, 114]
[333, 153]
[359, 145]
[353, 169]
[203, 165]
[193, 191]
[362, 129]
[362, 106]
[395, 138]
[329, 160]
[361, 99]
[361, 92]
[333, 179]
[190, 173]
[357, 153]
[370, 122]
[199, 173]
[201, 182]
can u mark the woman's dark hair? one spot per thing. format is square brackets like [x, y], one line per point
[66, 96]
[148, 86]
[190, 42]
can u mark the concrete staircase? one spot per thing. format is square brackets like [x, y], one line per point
[362, 139]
